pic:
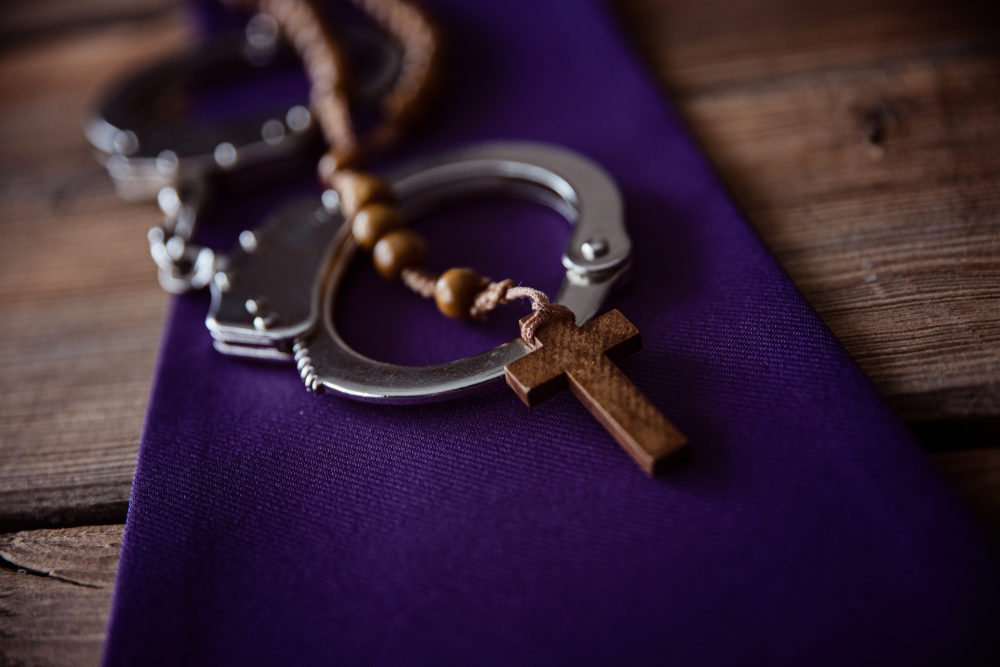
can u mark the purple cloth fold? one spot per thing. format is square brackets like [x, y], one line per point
[271, 526]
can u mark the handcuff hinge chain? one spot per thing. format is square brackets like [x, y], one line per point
[182, 265]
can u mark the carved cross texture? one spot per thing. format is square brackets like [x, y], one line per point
[583, 358]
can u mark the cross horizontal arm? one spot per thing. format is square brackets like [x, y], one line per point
[611, 333]
[541, 374]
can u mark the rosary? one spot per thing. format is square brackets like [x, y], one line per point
[273, 296]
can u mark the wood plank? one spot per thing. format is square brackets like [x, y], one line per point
[29, 20]
[55, 594]
[862, 139]
[697, 46]
[82, 312]
[895, 242]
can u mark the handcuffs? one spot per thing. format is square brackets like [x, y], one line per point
[273, 295]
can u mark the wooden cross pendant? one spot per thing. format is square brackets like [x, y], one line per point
[582, 357]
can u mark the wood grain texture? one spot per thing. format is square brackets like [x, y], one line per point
[862, 138]
[25, 21]
[583, 359]
[80, 310]
[55, 594]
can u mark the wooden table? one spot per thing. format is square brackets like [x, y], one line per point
[861, 137]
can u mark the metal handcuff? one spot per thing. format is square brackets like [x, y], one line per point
[151, 154]
[273, 296]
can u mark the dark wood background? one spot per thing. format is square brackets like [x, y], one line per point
[861, 137]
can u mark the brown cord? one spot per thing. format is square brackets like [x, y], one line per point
[324, 65]
[304, 28]
[494, 295]
[420, 281]
[543, 312]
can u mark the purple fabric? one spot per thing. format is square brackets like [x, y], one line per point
[271, 526]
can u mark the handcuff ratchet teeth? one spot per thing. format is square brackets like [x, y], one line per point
[275, 299]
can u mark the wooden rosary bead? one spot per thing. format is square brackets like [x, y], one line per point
[456, 291]
[373, 222]
[358, 189]
[399, 249]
